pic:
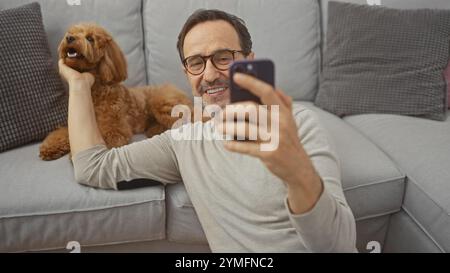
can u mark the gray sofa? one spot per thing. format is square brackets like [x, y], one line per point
[395, 169]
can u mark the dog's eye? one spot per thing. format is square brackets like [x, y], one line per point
[90, 39]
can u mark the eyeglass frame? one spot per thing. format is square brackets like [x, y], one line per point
[207, 57]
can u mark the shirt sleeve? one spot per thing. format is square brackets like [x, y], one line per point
[151, 158]
[330, 225]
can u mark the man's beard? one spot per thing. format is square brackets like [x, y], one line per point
[205, 86]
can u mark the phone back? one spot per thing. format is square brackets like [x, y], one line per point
[262, 69]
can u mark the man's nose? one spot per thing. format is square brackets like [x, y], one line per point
[211, 73]
[70, 39]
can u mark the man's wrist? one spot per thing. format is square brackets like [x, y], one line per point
[303, 195]
[79, 86]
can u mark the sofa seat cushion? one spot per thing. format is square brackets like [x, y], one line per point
[183, 225]
[372, 184]
[421, 149]
[42, 207]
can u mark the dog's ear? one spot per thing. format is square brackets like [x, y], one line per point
[113, 66]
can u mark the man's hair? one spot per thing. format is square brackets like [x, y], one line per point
[202, 15]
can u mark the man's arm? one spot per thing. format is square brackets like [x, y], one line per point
[97, 166]
[83, 129]
[329, 226]
[305, 162]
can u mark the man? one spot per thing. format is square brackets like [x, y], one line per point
[286, 200]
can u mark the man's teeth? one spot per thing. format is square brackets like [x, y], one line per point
[215, 90]
[72, 55]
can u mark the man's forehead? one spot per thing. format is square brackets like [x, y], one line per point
[210, 36]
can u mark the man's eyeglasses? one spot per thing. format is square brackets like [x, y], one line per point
[221, 59]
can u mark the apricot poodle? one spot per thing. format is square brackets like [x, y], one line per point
[120, 111]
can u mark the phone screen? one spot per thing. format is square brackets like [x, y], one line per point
[262, 69]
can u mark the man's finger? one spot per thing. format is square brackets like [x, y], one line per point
[248, 148]
[64, 70]
[285, 98]
[259, 88]
[245, 131]
[244, 111]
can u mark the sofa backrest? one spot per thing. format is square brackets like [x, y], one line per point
[399, 4]
[121, 18]
[288, 32]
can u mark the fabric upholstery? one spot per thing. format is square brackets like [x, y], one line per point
[33, 100]
[291, 38]
[382, 60]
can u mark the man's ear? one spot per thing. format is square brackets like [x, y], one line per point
[251, 56]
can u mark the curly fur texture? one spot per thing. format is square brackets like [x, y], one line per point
[121, 112]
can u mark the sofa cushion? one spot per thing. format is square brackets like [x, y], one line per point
[291, 38]
[383, 60]
[398, 4]
[33, 100]
[183, 225]
[42, 207]
[420, 148]
[372, 184]
[124, 22]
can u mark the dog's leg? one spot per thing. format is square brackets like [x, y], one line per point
[115, 131]
[55, 145]
[155, 129]
[162, 101]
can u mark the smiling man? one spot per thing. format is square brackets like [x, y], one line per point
[218, 41]
[247, 200]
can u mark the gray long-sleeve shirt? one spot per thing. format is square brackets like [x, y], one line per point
[241, 205]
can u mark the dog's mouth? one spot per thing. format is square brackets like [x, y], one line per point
[72, 53]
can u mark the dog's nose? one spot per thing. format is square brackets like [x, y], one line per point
[70, 39]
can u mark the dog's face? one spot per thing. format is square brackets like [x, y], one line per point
[88, 47]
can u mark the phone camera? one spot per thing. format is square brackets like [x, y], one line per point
[240, 69]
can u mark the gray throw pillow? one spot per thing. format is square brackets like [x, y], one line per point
[383, 60]
[33, 100]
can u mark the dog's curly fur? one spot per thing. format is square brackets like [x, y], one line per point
[120, 111]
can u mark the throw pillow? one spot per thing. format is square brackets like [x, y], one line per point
[33, 100]
[383, 60]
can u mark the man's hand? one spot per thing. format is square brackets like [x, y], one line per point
[75, 78]
[289, 160]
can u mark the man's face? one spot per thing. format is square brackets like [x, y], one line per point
[205, 39]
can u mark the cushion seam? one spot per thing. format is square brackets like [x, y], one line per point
[79, 211]
[423, 229]
[371, 216]
[392, 180]
[150, 239]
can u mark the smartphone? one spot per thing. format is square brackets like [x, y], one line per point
[262, 69]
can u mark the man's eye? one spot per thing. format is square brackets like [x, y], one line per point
[90, 39]
[223, 59]
[195, 63]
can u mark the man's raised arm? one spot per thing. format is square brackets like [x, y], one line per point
[83, 129]
[97, 166]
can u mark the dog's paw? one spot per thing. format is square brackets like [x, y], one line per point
[45, 153]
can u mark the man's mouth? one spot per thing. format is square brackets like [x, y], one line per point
[72, 54]
[216, 90]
